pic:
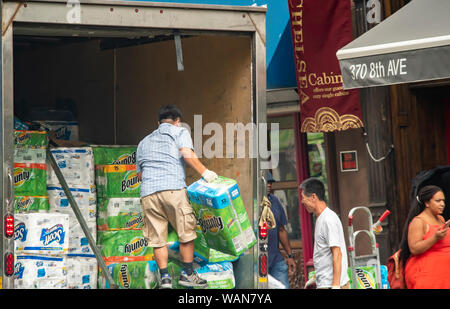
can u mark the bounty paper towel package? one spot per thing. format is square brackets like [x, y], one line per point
[25, 204]
[117, 181]
[365, 277]
[132, 275]
[41, 233]
[40, 272]
[82, 272]
[221, 214]
[34, 139]
[29, 155]
[114, 154]
[126, 245]
[119, 213]
[76, 164]
[29, 179]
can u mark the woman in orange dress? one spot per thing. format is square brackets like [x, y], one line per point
[426, 244]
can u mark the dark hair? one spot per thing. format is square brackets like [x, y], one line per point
[169, 112]
[418, 205]
[313, 185]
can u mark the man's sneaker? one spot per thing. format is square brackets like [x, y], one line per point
[166, 282]
[192, 280]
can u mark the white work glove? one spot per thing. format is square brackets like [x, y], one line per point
[209, 176]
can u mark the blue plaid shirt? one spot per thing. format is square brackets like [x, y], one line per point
[159, 159]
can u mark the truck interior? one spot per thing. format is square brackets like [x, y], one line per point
[112, 81]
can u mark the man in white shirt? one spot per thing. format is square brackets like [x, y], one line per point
[330, 253]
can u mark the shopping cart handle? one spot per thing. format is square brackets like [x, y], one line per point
[350, 220]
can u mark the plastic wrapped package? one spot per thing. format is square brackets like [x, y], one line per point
[132, 275]
[82, 272]
[32, 139]
[40, 272]
[119, 213]
[117, 181]
[76, 165]
[124, 245]
[114, 154]
[26, 204]
[30, 179]
[41, 233]
[221, 214]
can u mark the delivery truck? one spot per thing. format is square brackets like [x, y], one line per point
[113, 63]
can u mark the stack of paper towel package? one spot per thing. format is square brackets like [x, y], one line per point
[52, 250]
[120, 220]
[41, 238]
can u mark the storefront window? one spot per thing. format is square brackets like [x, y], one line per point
[316, 158]
[285, 173]
[289, 200]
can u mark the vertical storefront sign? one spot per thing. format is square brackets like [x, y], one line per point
[319, 28]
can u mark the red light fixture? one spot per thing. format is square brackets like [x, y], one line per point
[263, 231]
[263, 265]
[9, 264]
[9, 225]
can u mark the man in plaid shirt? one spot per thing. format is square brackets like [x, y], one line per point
[160, 159]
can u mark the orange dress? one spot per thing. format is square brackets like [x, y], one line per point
[431, 269]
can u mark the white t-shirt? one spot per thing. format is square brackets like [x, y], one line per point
[328, 233]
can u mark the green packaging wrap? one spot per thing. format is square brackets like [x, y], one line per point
[34, 139]
[221, 214]
[124, 245]
[132, 275]
[114, 154]
[23, 204]
[365, 277]
[30, 179]
[117, 181]
[119, 213]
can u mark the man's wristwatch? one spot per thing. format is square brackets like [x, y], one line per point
[291, 256]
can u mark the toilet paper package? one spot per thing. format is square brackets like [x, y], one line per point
[76, 165]
[119, 213]
[114, 154]
[41, 233]
[65, 130]
[132, 275]
[218, 275]
[82, 272]
[78, 241]
[84, 196]
[40, 272]
[117, 181]
[26, 204]
[221, 214]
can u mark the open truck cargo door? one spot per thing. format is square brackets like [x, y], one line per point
[6, 158]
[412, 45]
[107, 27]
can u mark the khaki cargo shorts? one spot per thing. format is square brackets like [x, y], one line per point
[161, 208]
